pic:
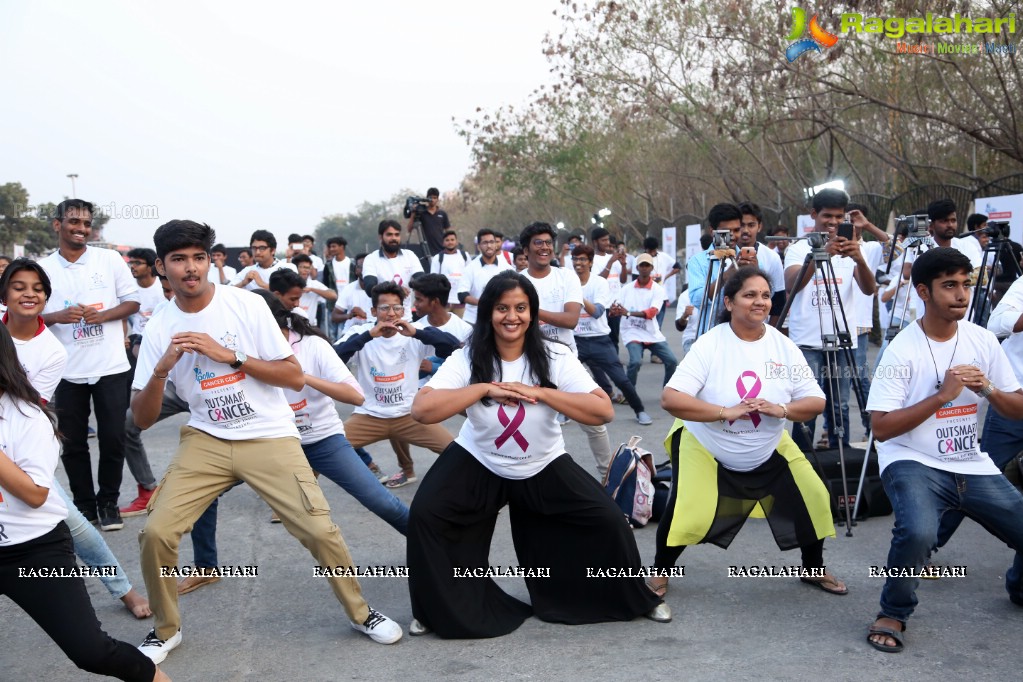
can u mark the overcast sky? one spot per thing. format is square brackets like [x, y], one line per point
[253, 115]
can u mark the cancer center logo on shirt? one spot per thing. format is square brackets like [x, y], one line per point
[819, 38]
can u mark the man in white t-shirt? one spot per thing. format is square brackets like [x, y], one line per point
[665, 268]
[744, 238]
[814, 314]
[353, 303]
[431, 294]
[927, 393]
[613, 264]
[220, 271]
[481, 270]
[315, 292]
[142, 263]
[225, 354]
[592, 334]
[309, 249]
[561, 301]
[391, 263]
[93, 293]
[451, 263]
[640, 303]
[337, 272]
[389, 356]
[263, 245]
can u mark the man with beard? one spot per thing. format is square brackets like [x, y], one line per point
[481, 270]
[391, 263]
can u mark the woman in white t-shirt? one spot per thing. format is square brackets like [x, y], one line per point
[37, 561]
[512, 383]
[26, 287]
[733, 396]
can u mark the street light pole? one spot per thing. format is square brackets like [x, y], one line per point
[73, 176]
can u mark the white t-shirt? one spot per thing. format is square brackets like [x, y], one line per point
[317, 263]
[1003, 319]
[804, 323]
[694, 319]
[475, 278]
[452, 267]
[149, 298]
[342, 272]
[907, 373]
[640, 329]
[899, 302]
[309, 300]
[596, 291]
[264, 273]
[315, 414]
[27, 438]
[225, 403]
[770, 262]
[43, 359]
[863, 304]
[558, 287]
[456, 326]
[354, 296]
[722, 369]
[100, 279]
[663, 264]
[515, 442]
[388, 371]
[214, 275]
[398, 269]
[614, 278]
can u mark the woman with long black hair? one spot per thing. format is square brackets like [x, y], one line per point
[512, 383]
[36, 552]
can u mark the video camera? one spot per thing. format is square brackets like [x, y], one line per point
[917, 225]
[722, 239]
[415, 205]
[998, 229]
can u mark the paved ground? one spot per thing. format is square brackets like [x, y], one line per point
[285, 625]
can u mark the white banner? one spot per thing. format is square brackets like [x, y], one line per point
[804, 224]
[1009, 208]
[693, 240]
[670, 246]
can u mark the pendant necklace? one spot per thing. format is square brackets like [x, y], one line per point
[937, 377]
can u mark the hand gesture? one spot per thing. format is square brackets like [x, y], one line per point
[952, 385]
[203, 344]
[91, 315]
[972, 377]
[358, 312]
[69, 315]
[505, 396]
[405, 328]
[169, 358]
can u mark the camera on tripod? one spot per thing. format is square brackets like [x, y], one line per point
[998, 229]
[415, 205]
[722, 239]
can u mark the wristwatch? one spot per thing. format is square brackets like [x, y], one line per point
[239, 359]
[987, 390]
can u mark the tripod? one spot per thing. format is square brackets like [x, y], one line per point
[417, 227]
[708, 316]
[839, 341]
[985, 280]
[913, 244]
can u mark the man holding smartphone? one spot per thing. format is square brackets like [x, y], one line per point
[814, 313]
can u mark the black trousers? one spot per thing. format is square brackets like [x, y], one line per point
[61, 607]
[72, 403]
[561, 521]
[601, 356]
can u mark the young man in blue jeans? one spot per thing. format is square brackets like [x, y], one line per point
[924, 408]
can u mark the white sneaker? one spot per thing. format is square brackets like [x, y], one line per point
[644, 419]
[379, 628]
[157, 649]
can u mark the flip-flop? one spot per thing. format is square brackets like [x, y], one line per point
[819, 583]
[659, 590]
[887, 632]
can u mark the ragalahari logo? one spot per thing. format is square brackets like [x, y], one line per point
[819, 38]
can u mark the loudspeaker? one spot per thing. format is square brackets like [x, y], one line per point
[874, 503]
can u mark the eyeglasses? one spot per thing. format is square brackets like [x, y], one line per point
[136, 262]
[259, 248]
[540, 243]
[396, 309]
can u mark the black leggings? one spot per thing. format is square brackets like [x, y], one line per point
[62, 608]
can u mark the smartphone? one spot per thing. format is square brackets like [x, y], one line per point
[846, 230]
[747, 253]
[297, 246]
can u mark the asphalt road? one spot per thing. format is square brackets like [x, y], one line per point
[286, 625]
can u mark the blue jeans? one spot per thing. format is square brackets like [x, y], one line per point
[863, 372]
[92, 549]
[1002, 440]
[334, 458]
[660, 349]
[598, 353]
[920, 495]
[815, 359]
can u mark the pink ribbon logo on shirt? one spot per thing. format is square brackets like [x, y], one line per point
[747, 394]
[511, 429]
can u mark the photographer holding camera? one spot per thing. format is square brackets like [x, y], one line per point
[811, 317]
[432, 217]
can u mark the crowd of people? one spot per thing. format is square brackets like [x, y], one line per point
[522, 342]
